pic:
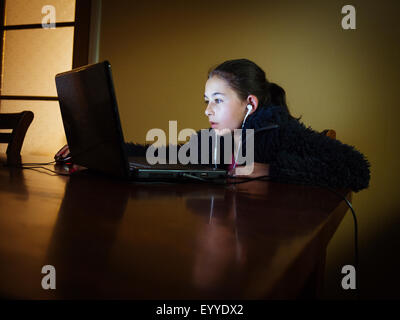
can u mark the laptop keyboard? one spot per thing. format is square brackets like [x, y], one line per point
[137, 165]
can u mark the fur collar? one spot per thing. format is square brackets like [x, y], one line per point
[266, 118]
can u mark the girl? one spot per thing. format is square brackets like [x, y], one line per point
[284, 148]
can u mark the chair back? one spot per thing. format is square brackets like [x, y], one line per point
[19, 124]
[329, 133]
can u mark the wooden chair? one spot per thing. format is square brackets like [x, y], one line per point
[329, 133]
[19, 123]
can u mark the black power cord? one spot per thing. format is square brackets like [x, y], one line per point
[356, 255]
[44, 168]
[36, 165]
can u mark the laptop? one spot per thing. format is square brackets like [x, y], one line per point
[93, 130]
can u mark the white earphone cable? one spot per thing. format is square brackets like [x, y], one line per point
[249, 107]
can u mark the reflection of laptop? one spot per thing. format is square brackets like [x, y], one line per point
[93, 129]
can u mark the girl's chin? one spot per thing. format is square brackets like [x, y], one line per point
[222, 131]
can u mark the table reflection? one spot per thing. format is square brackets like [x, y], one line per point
[240, 234]
[84, 234]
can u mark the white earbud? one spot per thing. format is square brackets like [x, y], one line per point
[249, 108]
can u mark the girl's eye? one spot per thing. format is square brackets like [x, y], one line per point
[216, 101]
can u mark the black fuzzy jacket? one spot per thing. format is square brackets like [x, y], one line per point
[295, 153]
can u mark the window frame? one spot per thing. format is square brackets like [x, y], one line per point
[80, 55]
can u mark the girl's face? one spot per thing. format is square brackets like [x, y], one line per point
[224, 108]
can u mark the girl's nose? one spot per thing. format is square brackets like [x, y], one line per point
[208, 110]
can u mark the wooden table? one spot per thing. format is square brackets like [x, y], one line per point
[120, 240]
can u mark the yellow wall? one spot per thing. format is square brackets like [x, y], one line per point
[347, 80]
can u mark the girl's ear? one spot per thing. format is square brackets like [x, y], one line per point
[253, 100]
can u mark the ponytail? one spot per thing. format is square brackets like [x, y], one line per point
[277, 97]
[277, 94]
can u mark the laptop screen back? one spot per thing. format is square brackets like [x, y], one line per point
[91, 121]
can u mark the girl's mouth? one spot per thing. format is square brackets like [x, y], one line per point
[213, 124]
